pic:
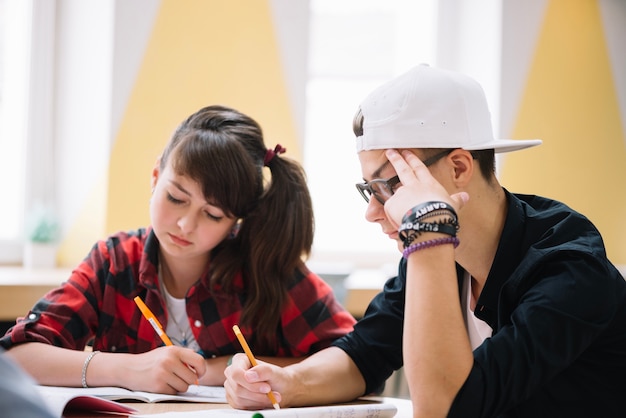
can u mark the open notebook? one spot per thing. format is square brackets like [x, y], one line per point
[101, 399]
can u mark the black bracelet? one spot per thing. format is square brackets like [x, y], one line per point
[440, 212]
[409, 237]
[409, 232]
[412, 225]
[448, 228]
[427, 207]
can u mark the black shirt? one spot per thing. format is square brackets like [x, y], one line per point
[557, 308]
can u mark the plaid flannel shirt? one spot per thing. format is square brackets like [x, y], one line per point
[96, 303]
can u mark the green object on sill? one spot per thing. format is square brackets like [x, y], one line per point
[43, 227]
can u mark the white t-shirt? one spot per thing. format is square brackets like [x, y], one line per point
[178, 328]
[477, 329]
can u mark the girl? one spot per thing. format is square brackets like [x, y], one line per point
[224, 247]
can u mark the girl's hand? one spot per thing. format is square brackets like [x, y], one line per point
[164, 370]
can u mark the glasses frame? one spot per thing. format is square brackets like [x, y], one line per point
[386, 185]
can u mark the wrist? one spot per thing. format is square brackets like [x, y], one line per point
[428, 218]
[85, 369]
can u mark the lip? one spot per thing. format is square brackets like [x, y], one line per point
[179, 241]
[392, 234]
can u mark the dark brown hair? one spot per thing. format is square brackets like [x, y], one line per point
[224, 151]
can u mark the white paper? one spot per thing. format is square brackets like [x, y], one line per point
[368, 410]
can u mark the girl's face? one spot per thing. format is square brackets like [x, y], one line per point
[186, 225]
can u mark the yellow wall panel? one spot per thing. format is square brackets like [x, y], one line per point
[86, 229]
[571, 103]
[201, 52]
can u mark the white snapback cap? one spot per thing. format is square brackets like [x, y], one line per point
[428, 107]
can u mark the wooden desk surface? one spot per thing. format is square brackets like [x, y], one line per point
[20, 288]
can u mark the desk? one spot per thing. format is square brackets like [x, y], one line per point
[405, 409]
[362, 286]
[20, 288]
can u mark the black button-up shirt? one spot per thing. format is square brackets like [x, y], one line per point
[557, 308]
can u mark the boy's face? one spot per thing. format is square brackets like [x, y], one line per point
[375, 165]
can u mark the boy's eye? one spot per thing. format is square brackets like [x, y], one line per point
[173, 199]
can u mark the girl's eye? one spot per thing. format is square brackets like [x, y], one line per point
[213, 217]
[173, 199]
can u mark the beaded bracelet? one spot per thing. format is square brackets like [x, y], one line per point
[85, 364]
[427, 244]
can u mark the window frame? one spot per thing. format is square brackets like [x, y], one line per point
[35, 118]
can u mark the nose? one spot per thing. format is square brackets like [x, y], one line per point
[375, 211]
[187, 222]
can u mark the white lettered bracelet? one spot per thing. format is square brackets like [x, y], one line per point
[85, 364]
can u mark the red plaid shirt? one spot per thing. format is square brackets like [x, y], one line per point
[97, 303]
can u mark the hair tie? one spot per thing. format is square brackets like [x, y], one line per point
[271, 153]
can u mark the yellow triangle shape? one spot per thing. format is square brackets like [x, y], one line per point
[570, 102]
[202, 53]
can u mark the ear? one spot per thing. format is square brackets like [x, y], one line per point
[464, 165]
[155, 173]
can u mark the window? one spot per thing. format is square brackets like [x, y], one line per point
[26, 75]
[14, 63]
[355, 46]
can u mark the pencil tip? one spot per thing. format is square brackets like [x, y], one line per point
[276, 406]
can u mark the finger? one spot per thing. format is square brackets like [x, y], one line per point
[242, 395]
[412, 159]
[241, 361]
[242, 376]
[177, 384]
[241, 399]
[182, 377]
[180, 364]
[194, 360]
[408, 167]
[399, 164]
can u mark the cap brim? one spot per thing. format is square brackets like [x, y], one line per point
[505, 145]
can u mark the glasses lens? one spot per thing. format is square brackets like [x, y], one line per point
[381, 190]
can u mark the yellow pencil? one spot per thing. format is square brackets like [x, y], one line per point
[246, 348]
[147, 313]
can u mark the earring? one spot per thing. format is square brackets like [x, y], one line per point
[235, 229]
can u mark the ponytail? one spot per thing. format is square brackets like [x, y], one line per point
[276, 235]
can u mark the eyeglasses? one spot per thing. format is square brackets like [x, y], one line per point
[383, 189]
